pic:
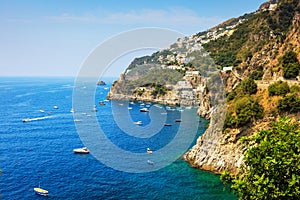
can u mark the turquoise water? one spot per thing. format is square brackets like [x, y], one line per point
[40, 151]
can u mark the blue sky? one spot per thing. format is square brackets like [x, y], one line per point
[53, 38]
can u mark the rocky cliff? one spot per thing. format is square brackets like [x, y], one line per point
[199, 69]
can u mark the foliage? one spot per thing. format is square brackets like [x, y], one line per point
[294, 89]
[290, 64]
[159, 90]
[246, 110]
[281, 20]
[257, 74]
[248, 86]
[231, 95]
[278, 88]
[289, 104]
[272, 165]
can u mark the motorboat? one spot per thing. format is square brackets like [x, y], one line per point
[178, 120]
[83, 150]
[101, 103]
[144, 110]
[25, 120]
[138, 123]
[55, 107]
[149, 151]
[168, 124]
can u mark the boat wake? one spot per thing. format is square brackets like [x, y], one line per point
[36, 119]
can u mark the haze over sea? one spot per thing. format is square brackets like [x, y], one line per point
[41, 151]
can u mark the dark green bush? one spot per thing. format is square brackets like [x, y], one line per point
[290, 64]
[278, 88]
[248, 86]
[289, 104]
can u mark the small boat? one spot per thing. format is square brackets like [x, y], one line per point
[144, 110]
[72, 110]
[55, 107]
[25, 120]
[95, 109]
[138, 123]
[42, 111]
[167, 124]
[40, 191]
[149, 151]
[83, 150]
[178, 120]
[150, 162]
[101, 103]
[77, 120]
[129, 108]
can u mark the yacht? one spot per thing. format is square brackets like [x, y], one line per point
[83, 150]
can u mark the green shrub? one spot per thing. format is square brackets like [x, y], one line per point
[289, 104]
[231, 95]
[230, 120]
[248, 86]
[271, 168]
[294, 89]
[248, 110]
[290, 64]
[257, 74]
[278, 88]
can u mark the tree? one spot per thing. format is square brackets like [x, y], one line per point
[278, 88]
[246, 110]
[290, 64]
[289, 103]
[248, 86]
[272, 165]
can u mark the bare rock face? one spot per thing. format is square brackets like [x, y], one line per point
[213, 151]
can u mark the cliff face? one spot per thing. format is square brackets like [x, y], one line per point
[272, 33]
[199, 69]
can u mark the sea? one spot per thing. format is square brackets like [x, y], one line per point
[39, 151]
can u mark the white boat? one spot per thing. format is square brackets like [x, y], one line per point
[42, 111]
[129, 108]
[95, 109]
[77, 120]
[138, 122]
[144, 110]
[40, 191]
[26, 120]
[83, 150]
[55, 107]
[72, 110]
[149, 151]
